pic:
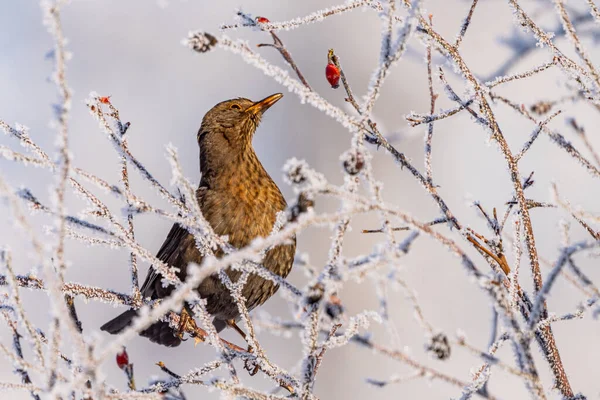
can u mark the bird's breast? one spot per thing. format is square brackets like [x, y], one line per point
[242, 207]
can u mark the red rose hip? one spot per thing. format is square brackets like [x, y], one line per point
[332, 73]
[123, 359]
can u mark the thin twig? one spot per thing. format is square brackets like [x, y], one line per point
[465, 25]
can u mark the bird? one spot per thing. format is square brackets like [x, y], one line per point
[239, 199]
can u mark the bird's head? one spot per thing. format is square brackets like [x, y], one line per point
[229, 126]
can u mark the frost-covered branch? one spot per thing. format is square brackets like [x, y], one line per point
[67, 360]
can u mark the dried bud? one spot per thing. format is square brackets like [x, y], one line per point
[104, 99]
[353, 161]
[124, 127]
[295, 170]
[541, 107]
[315, 294]
[334, 307]
[303, 204]
[439, 346]
[262, 20]
[200, 41]
[332, 73]
[123, 359]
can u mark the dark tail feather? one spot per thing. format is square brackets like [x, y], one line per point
[116, 325]
[219, 324]
[160, 332]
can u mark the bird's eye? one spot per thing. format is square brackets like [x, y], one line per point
[235, 107]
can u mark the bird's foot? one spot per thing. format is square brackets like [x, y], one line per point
[187, 324]
[182, 322]
[232, 324]
[250, 366]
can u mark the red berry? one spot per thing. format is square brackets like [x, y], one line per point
[104, 99]
[262, 20]
[123, 359]
[332, 73]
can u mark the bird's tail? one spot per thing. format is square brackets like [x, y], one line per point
[116, 325]
[159, 332]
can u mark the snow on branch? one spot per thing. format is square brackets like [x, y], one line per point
[522, 320]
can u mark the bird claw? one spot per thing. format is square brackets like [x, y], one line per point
[180, 332]
[187, 324]
[183, 320]
[251, 367]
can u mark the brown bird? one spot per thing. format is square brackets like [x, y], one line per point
[239, 199]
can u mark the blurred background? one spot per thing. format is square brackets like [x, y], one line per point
[132, 51]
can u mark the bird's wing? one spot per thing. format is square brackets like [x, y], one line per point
[170, 246]
[169, 253]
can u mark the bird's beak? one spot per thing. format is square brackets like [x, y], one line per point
[261, 106]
